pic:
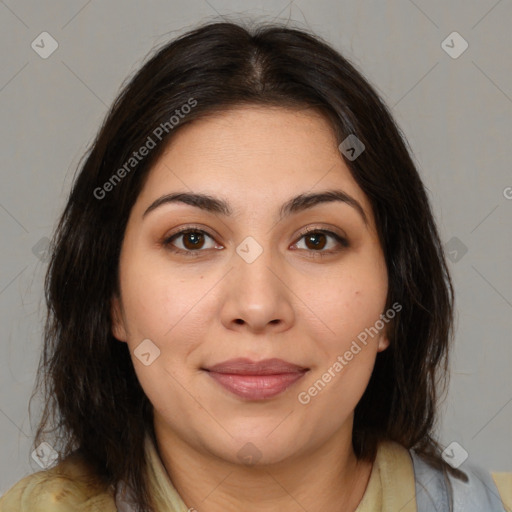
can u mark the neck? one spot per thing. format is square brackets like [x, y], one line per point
[328, 478]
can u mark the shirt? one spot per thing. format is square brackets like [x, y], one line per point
[71, 487]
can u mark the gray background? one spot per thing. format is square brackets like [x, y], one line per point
[455, 112]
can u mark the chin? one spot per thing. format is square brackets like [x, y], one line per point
[262, 447]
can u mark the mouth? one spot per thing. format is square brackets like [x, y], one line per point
[256, 380]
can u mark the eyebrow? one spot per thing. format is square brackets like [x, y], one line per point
[295, 205]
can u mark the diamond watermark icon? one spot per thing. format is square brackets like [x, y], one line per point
[249, 249]
[40, 250]
[45, 455]
[249, 454]
[147, 352]
[454, 454]
[351, 147]
[44, 45]
[454, 45]
[455, 249]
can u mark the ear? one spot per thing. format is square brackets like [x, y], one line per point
[117, 318]
[383, 343]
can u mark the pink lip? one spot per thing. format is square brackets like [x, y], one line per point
[256, 380]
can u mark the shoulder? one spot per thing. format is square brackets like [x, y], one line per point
[483, 490]
[503, 482]
[69, 486]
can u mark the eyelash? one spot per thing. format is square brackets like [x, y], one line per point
[167, 242]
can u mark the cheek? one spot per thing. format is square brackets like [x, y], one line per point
[345, 357]
[347, 302]
[158, 300]
[351, 306]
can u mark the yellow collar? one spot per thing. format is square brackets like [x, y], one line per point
[391, 486]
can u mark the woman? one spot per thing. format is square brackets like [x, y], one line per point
[249, 306]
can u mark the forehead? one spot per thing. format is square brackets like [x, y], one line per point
[256, 130]
[261, 155]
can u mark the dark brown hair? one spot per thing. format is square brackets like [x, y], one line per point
[94, 402]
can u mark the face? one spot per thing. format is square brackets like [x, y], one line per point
[257, 276]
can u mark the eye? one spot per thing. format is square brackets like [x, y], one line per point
[190, 241]
[316, 240]
[193, 240]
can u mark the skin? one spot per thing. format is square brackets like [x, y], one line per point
[203, 309]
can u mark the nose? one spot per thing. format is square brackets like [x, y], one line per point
[257, 296]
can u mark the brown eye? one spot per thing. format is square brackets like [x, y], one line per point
[316, 240]
[192, 240]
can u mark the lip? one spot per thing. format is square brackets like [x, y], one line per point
[256, 380]
[244, 366]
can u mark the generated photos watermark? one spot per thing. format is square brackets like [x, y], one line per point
[150, 143]
[304, 397]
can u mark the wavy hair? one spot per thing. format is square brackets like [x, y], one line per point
[93, 402]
